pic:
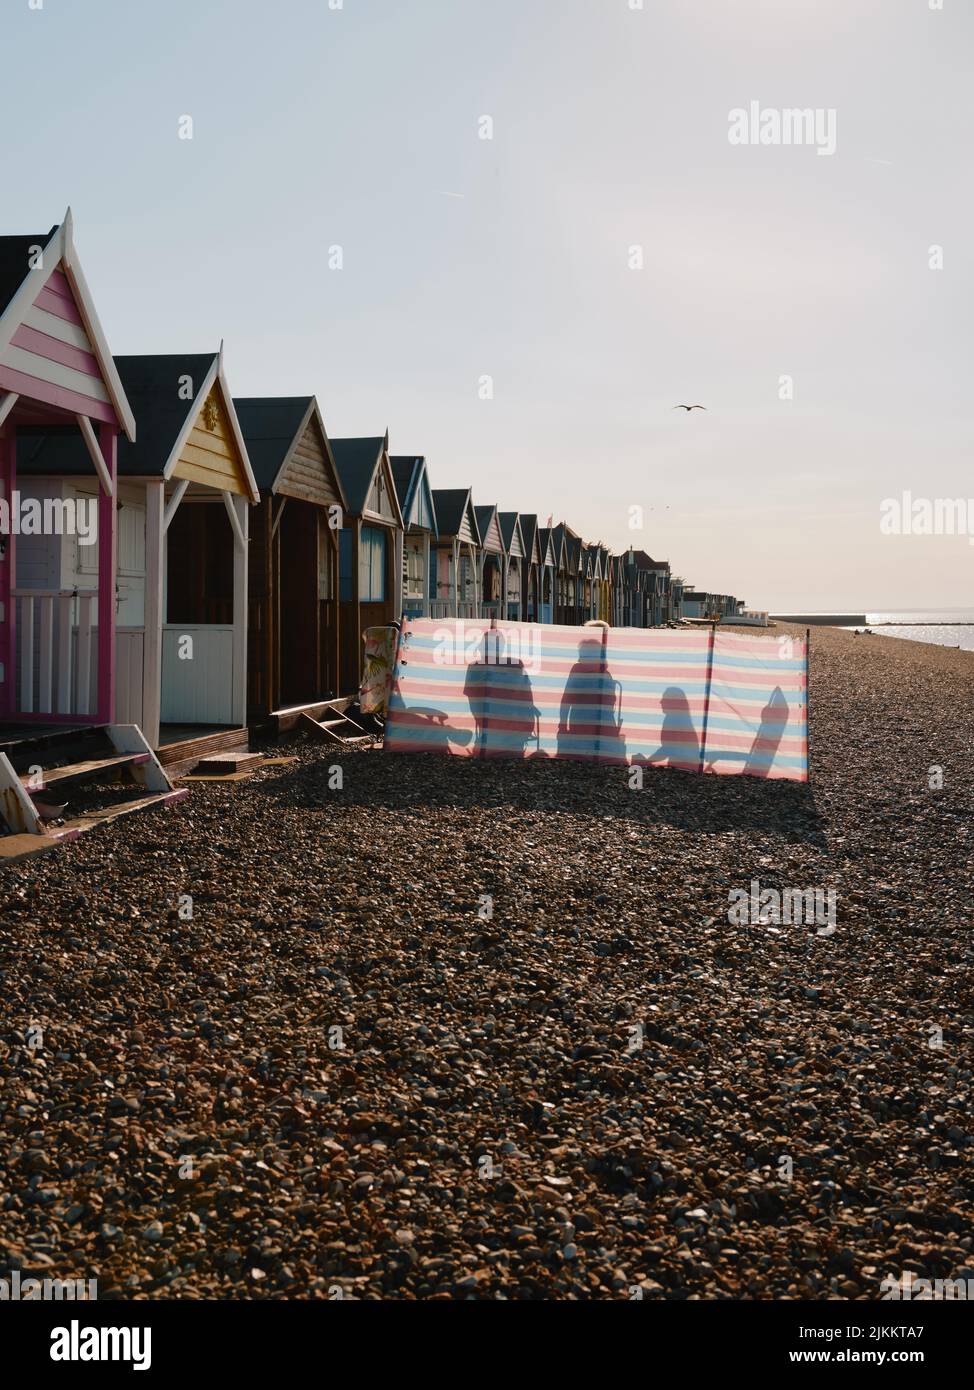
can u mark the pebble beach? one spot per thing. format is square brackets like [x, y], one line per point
[457, 1029]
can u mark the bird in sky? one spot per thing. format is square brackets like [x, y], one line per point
[689, 407]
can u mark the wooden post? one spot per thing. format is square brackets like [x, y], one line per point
[8, 576]
[706, 702]
[155, 540]
[356, 634]
[397, 590]
[808, 732]
[107, 569]
[241, 510]
[427, 577]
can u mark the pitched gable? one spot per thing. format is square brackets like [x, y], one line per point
[490, 532]
[413, 491]
[455, 514]
[511, 534]
[210, 455]
[289, 449]
[52, 349]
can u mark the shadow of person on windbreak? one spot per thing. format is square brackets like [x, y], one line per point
[590, 718]
[774, 717]
[435, 731]
[502, 703]
[679, 744]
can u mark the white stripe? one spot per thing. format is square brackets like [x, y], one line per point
[53, 373]
[54, 327]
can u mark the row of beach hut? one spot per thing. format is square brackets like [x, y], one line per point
[195, 563]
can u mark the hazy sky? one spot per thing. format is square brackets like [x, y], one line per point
[509, 257]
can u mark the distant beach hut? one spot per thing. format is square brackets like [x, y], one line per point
[370, 549]
[293, 574]
[515, 566]
[492, 562]
[456, 555]
[419, 518]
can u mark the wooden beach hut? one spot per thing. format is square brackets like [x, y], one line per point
[370, 549]
[419, 519]
[184, 497]
[531, 569]
[57, 637]
[516, 566]
[457, 555]
[293, 627]
[551, 577]
[492, 562]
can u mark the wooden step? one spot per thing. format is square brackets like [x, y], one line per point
[352, 734]
[91, 819]
[75, 771]
[216, 764]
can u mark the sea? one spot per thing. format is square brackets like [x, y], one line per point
[947, 627]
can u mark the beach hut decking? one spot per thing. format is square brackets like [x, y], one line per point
[457, 551]
[293, 626]
[419, 518]
[370, 549]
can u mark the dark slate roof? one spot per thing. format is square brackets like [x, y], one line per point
[356, 461]
[152, 387]
[403, 472]
[530, 529]
[483, 515]
[645, 562]
[15, 263]
[507, 521]
[269, 425]
[449, 504]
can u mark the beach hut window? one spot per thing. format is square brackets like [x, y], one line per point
[412, 569]
[372, 565]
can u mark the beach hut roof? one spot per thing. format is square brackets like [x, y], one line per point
[454, 507]
[530, 532]
[645, 562]
[511, 534]
[20, 287]
[270, 425]
[413, 490]
[167, 394]
[547, 548]
[490, 531]
[363, 466]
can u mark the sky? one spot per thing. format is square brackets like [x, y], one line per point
[511, 258]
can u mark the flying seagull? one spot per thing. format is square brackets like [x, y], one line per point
[689, 407]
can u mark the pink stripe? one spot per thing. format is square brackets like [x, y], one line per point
[43, 345]
[59, 396]
[58, 306]
[57, 283]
